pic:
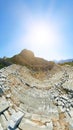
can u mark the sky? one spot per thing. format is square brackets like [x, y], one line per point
[42, 26]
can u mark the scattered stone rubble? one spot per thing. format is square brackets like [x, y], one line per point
[27, 103]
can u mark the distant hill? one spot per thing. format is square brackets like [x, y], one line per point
[65, 61]
[27, 58]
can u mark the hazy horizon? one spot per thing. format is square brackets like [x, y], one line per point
[42, 26]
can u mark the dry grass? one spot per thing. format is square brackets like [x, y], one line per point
[28, 59]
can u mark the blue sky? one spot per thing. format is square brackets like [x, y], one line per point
[43, 26]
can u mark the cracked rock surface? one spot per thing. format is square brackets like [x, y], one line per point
[46, 105]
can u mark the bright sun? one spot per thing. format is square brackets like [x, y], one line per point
[42, 33]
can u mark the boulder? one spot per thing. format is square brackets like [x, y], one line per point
[15, 120]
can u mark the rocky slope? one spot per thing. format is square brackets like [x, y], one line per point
[27, 58]
[46, 104]
[40, 67]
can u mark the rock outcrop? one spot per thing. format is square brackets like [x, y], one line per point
[46, 105]
[27, 58]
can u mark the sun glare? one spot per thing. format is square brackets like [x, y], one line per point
[41, 34]
[43, 37]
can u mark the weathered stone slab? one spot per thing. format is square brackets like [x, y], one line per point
[15, 120]
[26, 126]
[3, 106]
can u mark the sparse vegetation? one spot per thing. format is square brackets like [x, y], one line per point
[66, 63]
[4, 63]
[28, 59]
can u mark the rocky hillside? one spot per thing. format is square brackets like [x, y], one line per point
[40, 67]
[40, 105]
[28, 59]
